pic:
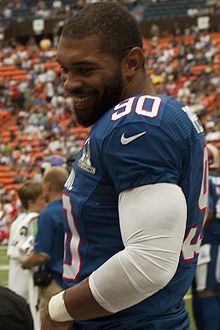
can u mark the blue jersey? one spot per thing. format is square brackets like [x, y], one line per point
[50, 238]
[141, 141]
[212, 228]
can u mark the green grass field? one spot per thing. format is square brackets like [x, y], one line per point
[3, 266]
[4, 281]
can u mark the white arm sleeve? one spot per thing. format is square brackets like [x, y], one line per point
[152, 222]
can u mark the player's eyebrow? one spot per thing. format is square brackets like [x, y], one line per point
[80, 63]
[83, 63]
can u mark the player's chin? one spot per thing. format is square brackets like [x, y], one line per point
[85, 118]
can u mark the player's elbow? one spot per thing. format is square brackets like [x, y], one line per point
[149, 272]
[163, 277]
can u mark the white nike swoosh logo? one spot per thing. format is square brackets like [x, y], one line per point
[126, 140]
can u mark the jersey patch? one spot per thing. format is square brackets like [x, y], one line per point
[85, 161]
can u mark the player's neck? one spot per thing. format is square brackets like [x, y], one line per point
[140, 85]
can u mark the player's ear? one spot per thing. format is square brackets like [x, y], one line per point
[132, 62]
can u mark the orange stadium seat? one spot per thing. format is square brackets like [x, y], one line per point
[198, 69]
[7, 180]
[51, 65]
[4, 116]
[13, 128]
[4, 168]
[7, 68]
[6, 174]
[34, 61]
[216, 38]
[11, 73]
[216, 66]
[19, 77]
[5, 134]
[12, 145]
[6, 139]
[13, 186]
[38, 155]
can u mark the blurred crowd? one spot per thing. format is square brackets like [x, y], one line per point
[46, 8]
[39, 8]
[41, 111]
[42, 130]
[188, 68]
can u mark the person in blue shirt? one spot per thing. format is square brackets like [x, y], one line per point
[206, 286]
[49, 241]
[137, 196]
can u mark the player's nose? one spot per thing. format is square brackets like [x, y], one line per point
[71, 83]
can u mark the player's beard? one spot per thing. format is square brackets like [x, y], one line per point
[111, 96]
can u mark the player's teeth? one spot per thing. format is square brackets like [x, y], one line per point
[82, 99]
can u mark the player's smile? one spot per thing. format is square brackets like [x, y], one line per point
[82, 102]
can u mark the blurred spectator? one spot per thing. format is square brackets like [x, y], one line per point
[49, 242]
[21, 240]
[206, 289]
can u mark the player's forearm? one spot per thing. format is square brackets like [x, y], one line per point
[75, 303]
[81, 304]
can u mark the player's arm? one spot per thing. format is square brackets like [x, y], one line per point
[33, 259]
[152, 223]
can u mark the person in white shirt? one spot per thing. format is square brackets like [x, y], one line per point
[21, 240]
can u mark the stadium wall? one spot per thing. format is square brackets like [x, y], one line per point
[24, 27]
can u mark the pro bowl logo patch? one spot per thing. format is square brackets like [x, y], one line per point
[85, 161]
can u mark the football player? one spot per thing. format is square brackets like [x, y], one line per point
[136, 198]
[206, 289]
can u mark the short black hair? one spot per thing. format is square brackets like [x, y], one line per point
[116, 27]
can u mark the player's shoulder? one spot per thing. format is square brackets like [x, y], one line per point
[151, 110]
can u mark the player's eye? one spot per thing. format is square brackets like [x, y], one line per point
[63, 69]
[84, 70]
